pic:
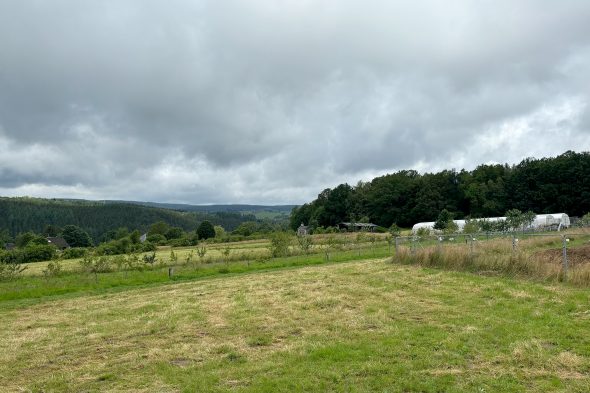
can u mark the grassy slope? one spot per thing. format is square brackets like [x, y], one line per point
[359, 326]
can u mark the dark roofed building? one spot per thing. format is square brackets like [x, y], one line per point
[357, 226]
[58, 242]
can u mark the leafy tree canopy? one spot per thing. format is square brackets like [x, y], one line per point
[205, 230]
[76, 236]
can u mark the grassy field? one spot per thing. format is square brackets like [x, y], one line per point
[345, 327]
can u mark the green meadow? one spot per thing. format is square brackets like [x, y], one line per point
[357, 320]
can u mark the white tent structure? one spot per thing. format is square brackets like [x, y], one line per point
[541, 221]
[561, 220]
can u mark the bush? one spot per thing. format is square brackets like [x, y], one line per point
[9, 271]
[12, 256]
[279, 244]
[395, 230]
[31, 253]
[95, 265]
[53, 269]
[180, 242]
[112, 248]
[148, 246]
[73, 253]
[423, 232]
[150, 259]
[305, 243]
[157, 239]
[38, 253]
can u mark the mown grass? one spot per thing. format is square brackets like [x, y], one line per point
[363, 326]
[74, 281]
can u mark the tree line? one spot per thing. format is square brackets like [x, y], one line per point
[546, 185]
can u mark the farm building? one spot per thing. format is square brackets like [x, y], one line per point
[541, 221]
[357, 226]
[302, 230]
[58, 242]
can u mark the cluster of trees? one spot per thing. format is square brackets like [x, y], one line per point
[32, 247]
[559, 184]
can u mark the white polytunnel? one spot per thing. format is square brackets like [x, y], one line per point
[541, 221]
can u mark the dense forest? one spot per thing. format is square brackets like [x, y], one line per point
[19, 215]
[558, 184]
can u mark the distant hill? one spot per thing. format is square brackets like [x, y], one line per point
[97, 217]
[260, 211]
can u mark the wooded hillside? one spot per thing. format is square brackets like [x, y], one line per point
[558, 184]
[32, 214]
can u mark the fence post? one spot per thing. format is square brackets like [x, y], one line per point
[396, 246]
[564, 242]
[170, 272]
[513, 243]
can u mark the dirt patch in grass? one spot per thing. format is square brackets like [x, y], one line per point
[575, 255]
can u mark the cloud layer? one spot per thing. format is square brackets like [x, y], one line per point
[272, 101]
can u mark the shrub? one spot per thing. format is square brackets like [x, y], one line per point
[148, 246]
[150, 259]
[423, 232]
[95, 265]
[38, 252]
[180, 242]
[279, 244]
[53, 269]
[395, 230]
[157, 239]
[305, 243]
[9, 271]
[73, 253]
[12, 256]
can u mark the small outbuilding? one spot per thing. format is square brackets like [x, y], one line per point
[302, 230]
[59, 242]
[357, 226]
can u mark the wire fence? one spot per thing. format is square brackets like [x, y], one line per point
[562, 256]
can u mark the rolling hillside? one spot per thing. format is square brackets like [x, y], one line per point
[97, 217]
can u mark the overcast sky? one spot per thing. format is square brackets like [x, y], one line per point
[270, 102]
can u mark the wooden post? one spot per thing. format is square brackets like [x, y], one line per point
[170, 272]
[565, 264]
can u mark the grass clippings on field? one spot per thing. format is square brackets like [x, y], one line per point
[362, 326]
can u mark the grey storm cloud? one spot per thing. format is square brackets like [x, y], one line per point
[272, 101]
